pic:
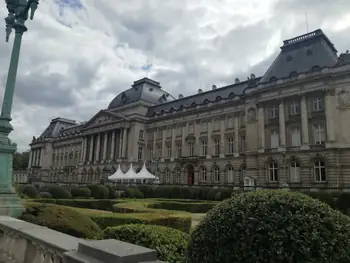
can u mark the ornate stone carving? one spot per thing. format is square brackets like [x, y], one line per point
[251, 114]
[343, 98]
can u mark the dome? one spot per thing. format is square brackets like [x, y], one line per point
[146, 90]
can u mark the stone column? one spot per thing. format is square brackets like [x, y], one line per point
[236, 124]
[304, 123]
[34, 158]
[330, 106]
[173, 146]
[113, 145]
[282, 125]
[84, 149]
[91, 147]
[120, 144]
[39, 157]
[210, 143]
[222, 137]
[30, 159]
[197, 133]
[125, 139]
[183, 140]
[261, 122]
[98, 145]
[154, 144]
[105, 140]
[164, 151]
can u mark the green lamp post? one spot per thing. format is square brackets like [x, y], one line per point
[10, 203]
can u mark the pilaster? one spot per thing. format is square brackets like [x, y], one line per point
[222, 138]
[113, 145]
[236, 127]
[105, 140]
[304, 124]
[210, 143]
[98, 145]
[282, 126]
[261, 123]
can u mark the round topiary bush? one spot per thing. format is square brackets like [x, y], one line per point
[271, 226]
[59, 193]
[169, 243]
[30, 191]
[45, 195]
[81, 192]
[99, 191]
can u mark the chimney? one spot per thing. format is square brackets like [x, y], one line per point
[181, 96]
[200, 91]
[237, 80]
[214, 87]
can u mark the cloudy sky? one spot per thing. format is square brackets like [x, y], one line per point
[79, 54]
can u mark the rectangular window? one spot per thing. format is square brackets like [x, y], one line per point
[204, 126]
[217, 125]
[317, 104]
[217, 147]
[243, 144]
[230, 122]
[169, 131]
[151, 154]
[178, 150]
[178, 130]
[319, 133]
[159, 133]
[294, 108]
[231, 144]
[295, 137]
[159, 152]
[274, 140]
[191, 148]
[191, 129]
[169, 151]
[139, 153]
[273, 112]
[204, 148]
[141, 134]
[294, 172]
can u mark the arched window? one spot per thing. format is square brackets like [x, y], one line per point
[273, 171]
[294, 172]
[320, 171]
[216, 174]
[167, 176]
[203, 174]
[178, 175]
[229, 174]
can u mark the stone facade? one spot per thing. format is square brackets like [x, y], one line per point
[288, 127]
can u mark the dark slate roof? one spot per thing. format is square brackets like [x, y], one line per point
[344, 59]
[224, 93]
[56, 126]
[311, 51]
[72, 130]
[142, 90]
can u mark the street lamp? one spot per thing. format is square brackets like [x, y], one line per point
[10, 203]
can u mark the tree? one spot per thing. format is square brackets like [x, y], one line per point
[20, 160]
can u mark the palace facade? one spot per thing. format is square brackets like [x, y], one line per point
[289, 127]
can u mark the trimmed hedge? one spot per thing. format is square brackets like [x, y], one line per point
[29, 191]
[62, 219]
[106, 205]
[170, 244]
[59, 192]
[99, 191]
[199, 207]
[271, 226]
[80, 192]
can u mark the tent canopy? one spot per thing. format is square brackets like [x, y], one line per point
[130, 174]
[117, 175]
[144, 173]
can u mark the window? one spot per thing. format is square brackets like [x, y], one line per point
[317, 104]
[295, 137]
[167, 175]
[274, 140]
[151, 153]
[294, 108]
[273, 172]
[204, 126]
[169, 151]
[273, 112]
[319, 134]
[191, 148]
[243, 144]
[203, 174]
[294, 172]
[217, 147]
[216, 174]
[159, 152]
[230, 142]
[320, 171]
[217, 125]
[204, 148]
[141, 134]
[230, 122]
[178, 150]
[229, 174]
[178, 175]
[191, 129]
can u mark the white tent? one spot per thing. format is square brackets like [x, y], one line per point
[144, 173]
[130, 174]
[117, 175]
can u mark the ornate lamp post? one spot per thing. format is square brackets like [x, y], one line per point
[19, 10]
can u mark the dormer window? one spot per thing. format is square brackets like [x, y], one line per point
[273, 79]
[293, 75]
[315, 69]
[124, 98]
[289, 58]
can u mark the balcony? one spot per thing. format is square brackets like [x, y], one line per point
[23, 242]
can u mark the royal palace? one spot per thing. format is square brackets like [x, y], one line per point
[289, 127]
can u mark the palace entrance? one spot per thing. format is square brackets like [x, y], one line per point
[190, 174]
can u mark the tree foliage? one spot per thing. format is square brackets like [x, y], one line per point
[20, 160]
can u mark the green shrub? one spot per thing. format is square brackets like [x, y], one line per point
[211, 194]
[45, 195]
[106, 205]
[30, 191]
[80, 192]
[112, 193]
[59, 192]
[62, 219]
[323, 197]
[99, 191]
[271, 226]
[180, 222]
[199, 207]
[147, 190]
[169, 243]
[134, 193]
[343, 203]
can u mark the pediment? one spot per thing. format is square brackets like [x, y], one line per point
[104, 117]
